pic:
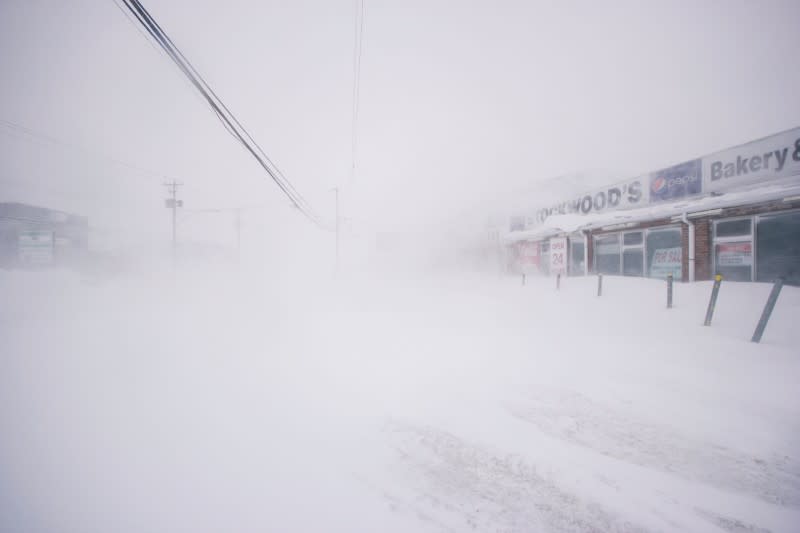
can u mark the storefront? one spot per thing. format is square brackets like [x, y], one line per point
[758, 248]
[577, 255]
[735, 212]
[652, 252]
[33, 237]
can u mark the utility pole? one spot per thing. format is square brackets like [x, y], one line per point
[173, 203]
[336, 192]
[239, 234]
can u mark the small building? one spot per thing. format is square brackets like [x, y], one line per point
[33, 237]
[735, 212]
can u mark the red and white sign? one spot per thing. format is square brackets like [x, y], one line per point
[558, 255]
[529, 256]
[735, 254]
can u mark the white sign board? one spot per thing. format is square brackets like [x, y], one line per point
[764, 160]
[735, 254]
[35, 247]
[558, 255]
[624, 195]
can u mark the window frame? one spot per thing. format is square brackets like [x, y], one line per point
[624, 247]
[642, 246]
[733, 239]
[616, 234]
[576, 238]
[656, 229]
[754, 229]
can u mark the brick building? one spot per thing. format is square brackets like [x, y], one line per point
[33, 236]
[735, 212]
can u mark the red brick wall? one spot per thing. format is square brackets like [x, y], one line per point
[702, 249]
[769, 207]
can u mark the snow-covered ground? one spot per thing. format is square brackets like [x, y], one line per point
[229, 403]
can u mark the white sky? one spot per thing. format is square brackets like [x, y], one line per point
[460, 100]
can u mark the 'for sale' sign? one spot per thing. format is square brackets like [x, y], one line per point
[735, 254]
[666, 261]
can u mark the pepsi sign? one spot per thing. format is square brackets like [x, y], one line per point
[676, 182]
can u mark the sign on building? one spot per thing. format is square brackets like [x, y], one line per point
[558, 255]
[529, 256]
[35, 247]
[768, 159]
[676, 182]
[624, 195]
[735, 254]
[667, 261]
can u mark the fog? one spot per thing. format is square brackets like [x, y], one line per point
[258, 376]
[458, 103]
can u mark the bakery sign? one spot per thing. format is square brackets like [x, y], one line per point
[768, 159]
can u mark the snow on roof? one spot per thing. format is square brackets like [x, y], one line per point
[570, 223]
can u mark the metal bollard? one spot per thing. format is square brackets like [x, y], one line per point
[669, 291]
[599, 284]
[558, 281]
[523, 278]
[713, 302]
[762, 323]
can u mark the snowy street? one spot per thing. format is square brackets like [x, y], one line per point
[468, 404]
[395, 267]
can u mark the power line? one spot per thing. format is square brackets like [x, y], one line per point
[220, 109]
[205, 90]
[50, 140]
[357, 47]
[143, 22]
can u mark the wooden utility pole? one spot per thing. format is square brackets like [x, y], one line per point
[173, 203]
[239, 234]
[337, 229]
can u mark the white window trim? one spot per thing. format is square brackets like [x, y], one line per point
[616, 234]
[643, 246]
[734, 238]
[754, 230]
[670, 227]
[625, 247]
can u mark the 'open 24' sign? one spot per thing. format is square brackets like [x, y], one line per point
[558, 255]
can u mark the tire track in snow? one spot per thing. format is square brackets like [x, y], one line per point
[576, 419]
[462, 487]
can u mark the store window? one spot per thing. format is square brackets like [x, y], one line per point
[544, 265]
[577, 256]
[733, 249]
[606, 254]
[734, 228]
[633, 253]
[632, 238]
[664, 253]
[778, 246]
